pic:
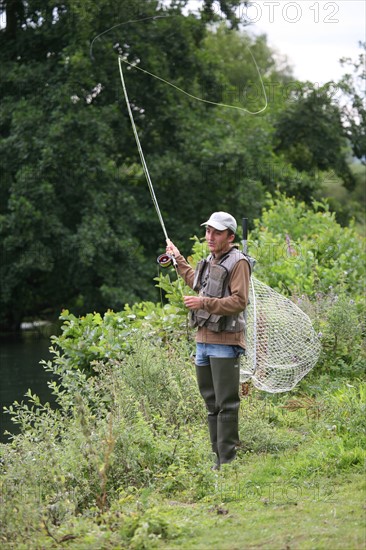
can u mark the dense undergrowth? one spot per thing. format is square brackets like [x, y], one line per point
[127, 440]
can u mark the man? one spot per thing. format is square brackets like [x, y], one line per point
[222, 283]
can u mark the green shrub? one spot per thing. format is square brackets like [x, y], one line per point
[338, 320]
[135, 420]
[300, 250]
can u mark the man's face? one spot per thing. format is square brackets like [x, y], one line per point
[218, 241]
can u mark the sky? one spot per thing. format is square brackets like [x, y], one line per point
[313, 35]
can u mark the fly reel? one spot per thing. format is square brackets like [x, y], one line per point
[164, 260]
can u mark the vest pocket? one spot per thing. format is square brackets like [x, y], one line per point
[215, 284]
[197, 318]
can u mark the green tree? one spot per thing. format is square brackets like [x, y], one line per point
[353, 85]
[69, 207]
[310, 134]
[237, 151]
[77, 225]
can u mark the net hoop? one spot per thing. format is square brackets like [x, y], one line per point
[281, 343]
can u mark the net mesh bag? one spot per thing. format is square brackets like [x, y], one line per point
[281, 344]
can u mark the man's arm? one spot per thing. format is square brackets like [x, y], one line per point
[184, 269]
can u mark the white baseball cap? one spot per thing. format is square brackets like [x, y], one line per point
[222, 221]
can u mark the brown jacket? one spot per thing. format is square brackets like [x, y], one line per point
[230, 305]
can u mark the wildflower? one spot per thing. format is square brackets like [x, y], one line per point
[290, 250]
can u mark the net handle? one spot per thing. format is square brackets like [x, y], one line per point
[245, 235]
[245, 251]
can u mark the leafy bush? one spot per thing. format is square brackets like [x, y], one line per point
[300, 250]
[127, 421]
[92, 337]
[339, 321]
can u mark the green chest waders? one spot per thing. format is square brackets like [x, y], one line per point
[219, 386]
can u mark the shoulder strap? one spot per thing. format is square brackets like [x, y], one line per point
[249, 259]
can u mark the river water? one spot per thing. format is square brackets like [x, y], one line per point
[20, 370]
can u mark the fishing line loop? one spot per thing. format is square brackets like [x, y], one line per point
[196, 98]
[134, 66]
[122, 24]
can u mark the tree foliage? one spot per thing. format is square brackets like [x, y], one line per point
[353, 85]
[77, 225]
[310, 133]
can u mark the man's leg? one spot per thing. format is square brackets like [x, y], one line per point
[225, 376]
[206, 387]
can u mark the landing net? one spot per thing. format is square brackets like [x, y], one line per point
[281, 344]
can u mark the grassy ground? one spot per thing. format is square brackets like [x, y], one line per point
[280, 515]
[253, 503]
[236, 514]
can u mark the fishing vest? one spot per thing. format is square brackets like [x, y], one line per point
[211, 280]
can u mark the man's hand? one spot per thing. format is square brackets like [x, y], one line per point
[171, 248]
[192, 302]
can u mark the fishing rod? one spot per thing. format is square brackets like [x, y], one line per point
[164, 260]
